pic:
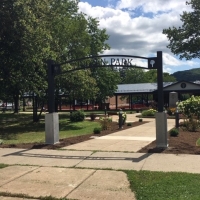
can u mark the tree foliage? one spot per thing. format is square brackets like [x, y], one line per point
[185, 40]
[132, 75]
[151, 76]
[34, 31]
[107, 80]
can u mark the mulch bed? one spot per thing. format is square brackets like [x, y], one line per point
[184, 143]
[73, 140]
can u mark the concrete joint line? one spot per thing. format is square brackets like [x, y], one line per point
[81, 183]
[145, 161]
[19, 176]
[86, 157]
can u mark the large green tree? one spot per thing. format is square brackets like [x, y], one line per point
[132, 75]
[185, 40]
[24, 42]
[34, 31]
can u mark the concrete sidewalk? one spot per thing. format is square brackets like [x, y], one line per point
[81, 171]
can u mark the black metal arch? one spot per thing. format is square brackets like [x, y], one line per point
[103, 56]
[97, 61]
[54, 69]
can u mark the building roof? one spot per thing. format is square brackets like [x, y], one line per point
[139, 87]
[142, 88]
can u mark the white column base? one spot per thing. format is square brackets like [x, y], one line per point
[51, 128]
[161, 130]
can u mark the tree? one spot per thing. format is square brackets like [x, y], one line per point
[23, 41]
[97, 37]
[34, 31]
[133, 75]
[151, 76]
[168, 78]
[87, 84]
[185, 40]
[107, 80]
[78, 85]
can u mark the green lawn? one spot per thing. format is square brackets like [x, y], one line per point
[164, 186]
[20, 128]
[198, 142]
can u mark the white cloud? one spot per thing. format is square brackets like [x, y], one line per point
[153, 6]
[140, 35]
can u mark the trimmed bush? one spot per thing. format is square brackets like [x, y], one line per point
[77, 116]
[97, 130]
[105, 122]
[191, 124]
[150, 112]
[129, 124]
[140, 120]
[174, 132]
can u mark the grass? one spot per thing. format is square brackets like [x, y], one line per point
[20, 128]
[198, 142]
[164, 185]
[23, 196]
[3, 165]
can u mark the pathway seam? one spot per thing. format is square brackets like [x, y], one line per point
[86, 157]
[21, 175]
[145, 161]
[81, 183]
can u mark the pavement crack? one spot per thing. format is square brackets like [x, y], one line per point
[81, 183]
[145, 161]
[86, 157]
[20, 176]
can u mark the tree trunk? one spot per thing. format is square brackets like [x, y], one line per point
[16, 103]
[35, 118]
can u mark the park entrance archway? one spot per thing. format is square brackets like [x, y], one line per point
[55, 69]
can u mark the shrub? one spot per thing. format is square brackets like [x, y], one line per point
[140, 120]
[198, 142]
[150, 112]
[129, 124]
[77, 116]
[191, 124]
[97, 130]
[174, 132]
[92, 116]
[124, 117]
[105, 122]
[190, 107]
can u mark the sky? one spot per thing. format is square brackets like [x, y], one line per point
[135, 28]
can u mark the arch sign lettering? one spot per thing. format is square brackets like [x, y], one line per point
[113, 61]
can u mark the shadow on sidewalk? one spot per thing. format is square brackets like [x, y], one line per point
[26, 153]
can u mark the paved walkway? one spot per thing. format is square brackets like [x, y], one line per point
[89, 170]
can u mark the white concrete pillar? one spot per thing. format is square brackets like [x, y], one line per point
[51, 128]
[161, 130]
[173, 99]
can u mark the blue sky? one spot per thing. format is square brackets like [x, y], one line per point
[103, 3]
[135, 27]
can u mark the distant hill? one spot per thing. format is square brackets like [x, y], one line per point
[187, 75]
